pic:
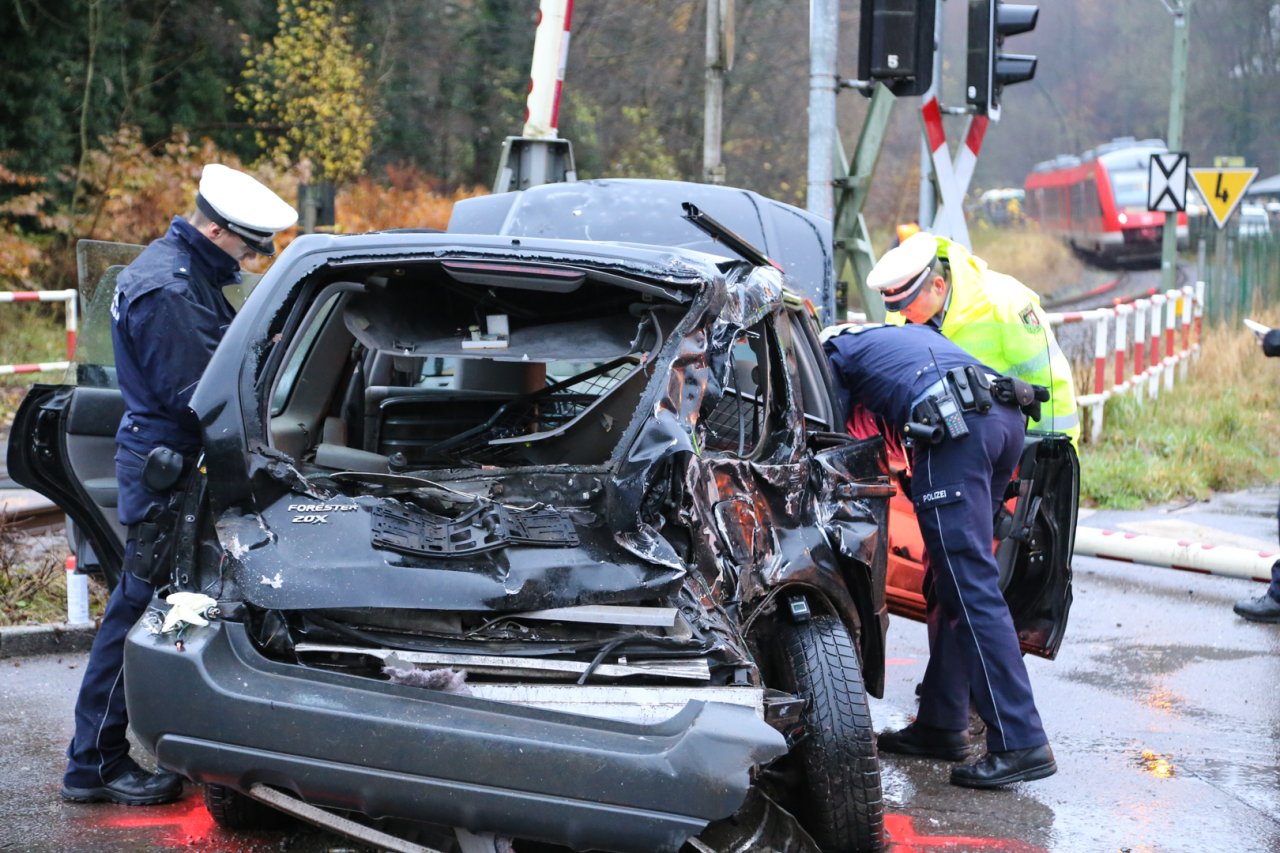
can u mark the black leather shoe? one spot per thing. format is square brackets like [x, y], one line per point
[997, 769]
[1264, 608]
[131, 788]
[926, 741]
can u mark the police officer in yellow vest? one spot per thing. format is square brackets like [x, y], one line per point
[996, 318]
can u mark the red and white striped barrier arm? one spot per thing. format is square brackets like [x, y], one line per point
[1182, 554]
[72, 325]
[546, 79]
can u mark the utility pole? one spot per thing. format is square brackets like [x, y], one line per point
[1181, 10]
[824, 19]
[928, 208]
[719, 60]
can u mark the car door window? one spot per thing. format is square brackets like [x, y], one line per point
[739, 420]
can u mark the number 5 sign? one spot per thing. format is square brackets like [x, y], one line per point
[1223, 189]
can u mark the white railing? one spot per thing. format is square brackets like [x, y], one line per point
[72, 320]
[1166, 331]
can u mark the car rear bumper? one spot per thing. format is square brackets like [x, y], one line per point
[218, 712]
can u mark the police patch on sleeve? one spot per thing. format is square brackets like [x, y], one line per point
[1030, 318]
[939, 495]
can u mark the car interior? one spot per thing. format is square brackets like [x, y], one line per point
[460, 364]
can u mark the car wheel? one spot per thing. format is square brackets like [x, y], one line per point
[842, 806]
[233, 811]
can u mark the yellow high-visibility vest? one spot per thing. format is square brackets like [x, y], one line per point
[998, 320]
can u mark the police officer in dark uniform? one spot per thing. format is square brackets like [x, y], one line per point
[168, 315]
[966, 427]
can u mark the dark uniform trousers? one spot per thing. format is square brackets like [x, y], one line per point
[957, 485]
[99, 750]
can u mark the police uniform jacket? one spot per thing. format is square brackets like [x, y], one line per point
[888, 369]
[168, 316]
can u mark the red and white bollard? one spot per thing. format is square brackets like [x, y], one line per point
[77, 595]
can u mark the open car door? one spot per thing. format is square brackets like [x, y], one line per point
[62, 443]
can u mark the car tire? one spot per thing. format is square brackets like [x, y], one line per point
[236, 812]
[841, 806]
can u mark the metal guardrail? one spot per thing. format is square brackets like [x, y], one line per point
[1140, 359]
[72, 323]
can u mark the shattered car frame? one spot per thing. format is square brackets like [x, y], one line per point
[607, 519]
[573, 450]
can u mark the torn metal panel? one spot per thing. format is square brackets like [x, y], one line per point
[339, 562]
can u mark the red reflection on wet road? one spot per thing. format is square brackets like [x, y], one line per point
[185, 824]
[903, 838]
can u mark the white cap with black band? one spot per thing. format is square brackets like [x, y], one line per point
[900, 276]
[243, 206]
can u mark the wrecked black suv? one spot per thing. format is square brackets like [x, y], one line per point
[551, 539]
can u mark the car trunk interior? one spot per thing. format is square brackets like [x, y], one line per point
[456, 364]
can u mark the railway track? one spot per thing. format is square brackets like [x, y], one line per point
[28, 512]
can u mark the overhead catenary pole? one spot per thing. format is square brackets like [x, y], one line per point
[719, 60]
[1181, 10]
[824, 20]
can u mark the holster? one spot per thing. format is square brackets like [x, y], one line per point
[154, 540]
[1015, 392]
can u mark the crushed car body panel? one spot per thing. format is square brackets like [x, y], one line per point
[392, 750]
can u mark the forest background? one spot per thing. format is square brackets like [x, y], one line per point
[109, 107]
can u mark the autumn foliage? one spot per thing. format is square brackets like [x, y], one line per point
[402, 198]
[130, 192]
[307, 94]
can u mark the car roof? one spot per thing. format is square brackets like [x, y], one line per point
[636, 211]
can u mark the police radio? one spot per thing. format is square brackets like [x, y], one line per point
[948, 409]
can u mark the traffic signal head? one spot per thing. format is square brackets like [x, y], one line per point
[895, 44]
[989, 70]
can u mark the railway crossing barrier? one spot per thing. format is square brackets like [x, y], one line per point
[1146, 352]
[72, 323]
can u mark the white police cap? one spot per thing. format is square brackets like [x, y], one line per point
[901, 273]
[242, 205]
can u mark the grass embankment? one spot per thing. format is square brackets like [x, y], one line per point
[29, 332]
[1041, 262]
[1217, 432]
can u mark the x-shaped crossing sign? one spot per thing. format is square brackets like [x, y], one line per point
[952, 176]
[1167, 182]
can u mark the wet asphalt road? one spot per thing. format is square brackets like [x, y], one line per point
[1162, 707]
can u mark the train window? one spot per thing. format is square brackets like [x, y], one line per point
[1092, 203]
[1130, 187]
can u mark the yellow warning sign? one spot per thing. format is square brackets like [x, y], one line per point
[1222, 189]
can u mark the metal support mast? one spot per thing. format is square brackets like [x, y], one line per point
[1169, 248]
[719, 60]
[824, 20]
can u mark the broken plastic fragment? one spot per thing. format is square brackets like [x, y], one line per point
[186, 608]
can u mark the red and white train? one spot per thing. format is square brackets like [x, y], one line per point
[1097, 202]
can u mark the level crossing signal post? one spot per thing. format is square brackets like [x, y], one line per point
[988, 69]
[898, 56]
